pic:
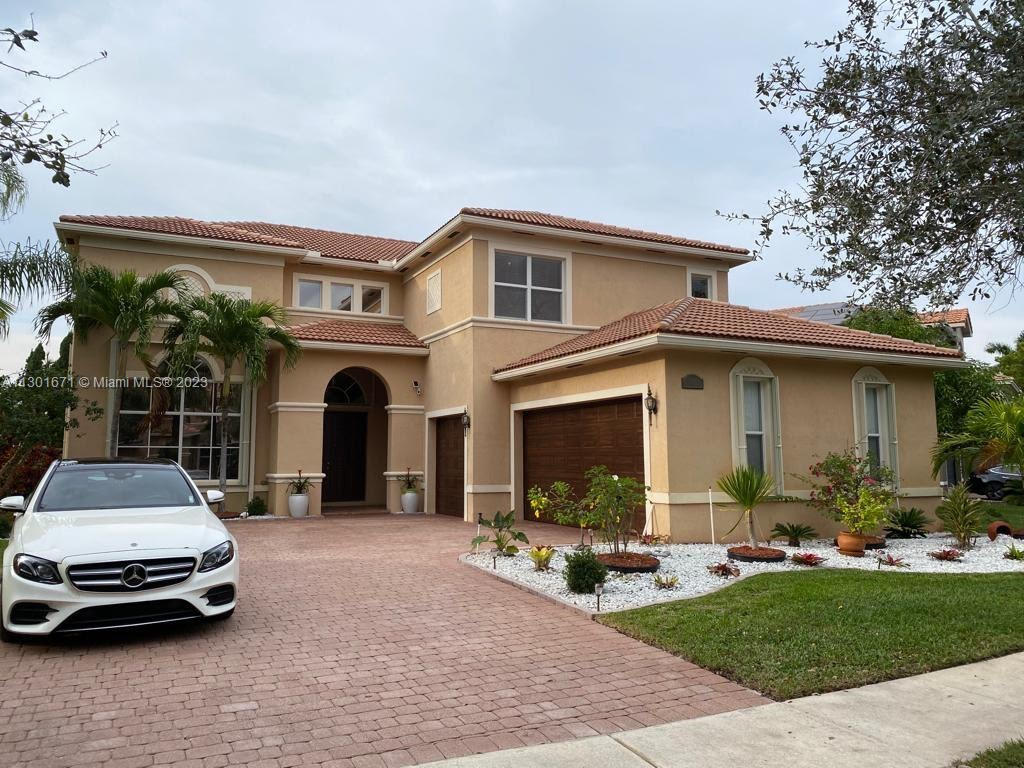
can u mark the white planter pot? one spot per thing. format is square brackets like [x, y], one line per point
[298, 504]
[410, 503]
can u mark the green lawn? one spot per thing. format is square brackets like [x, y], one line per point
[1010, 755]
[1000, 510]
[794, 634]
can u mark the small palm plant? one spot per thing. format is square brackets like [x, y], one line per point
[748, 487]
[962, 517]
[793, 533]
[128, 305]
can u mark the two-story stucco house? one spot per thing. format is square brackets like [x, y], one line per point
[510, 349]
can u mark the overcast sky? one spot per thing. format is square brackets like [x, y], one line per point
[386, 118]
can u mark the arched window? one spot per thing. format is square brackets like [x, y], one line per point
[756, 429]
[874, 418]
[344, 390]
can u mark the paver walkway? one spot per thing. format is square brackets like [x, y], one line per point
[357, 642]
[926, 721]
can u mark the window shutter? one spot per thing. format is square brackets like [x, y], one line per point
[434, 292]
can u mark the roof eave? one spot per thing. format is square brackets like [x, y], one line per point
[679, 341]
[383, 349]
[63, 227]
[468, 220]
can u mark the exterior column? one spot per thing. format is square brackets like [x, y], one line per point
[296, 432]
[406, 451]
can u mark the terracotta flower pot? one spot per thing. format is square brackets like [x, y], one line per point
[851, 544]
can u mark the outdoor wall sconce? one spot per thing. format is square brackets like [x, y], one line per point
[598, 589]
[651, 404]
[416, 387]
[465, 419]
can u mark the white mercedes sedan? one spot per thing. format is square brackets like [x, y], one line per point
[111, 544]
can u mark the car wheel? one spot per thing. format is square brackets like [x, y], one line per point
[995, 491]
[223, 616]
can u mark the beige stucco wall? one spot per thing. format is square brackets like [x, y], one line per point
[457, 272]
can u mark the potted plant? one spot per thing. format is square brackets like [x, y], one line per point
[748, 487]
[841, 476]
[867, 513]
[410, 493]
[298, 496]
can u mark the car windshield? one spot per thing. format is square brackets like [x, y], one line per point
[115, 487]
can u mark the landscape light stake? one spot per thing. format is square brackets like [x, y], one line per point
[598, 589]
[478, 516]
[494, 562]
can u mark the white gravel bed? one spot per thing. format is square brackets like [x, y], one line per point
[689, 563]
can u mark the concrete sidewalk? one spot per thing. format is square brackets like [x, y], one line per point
[927, 721]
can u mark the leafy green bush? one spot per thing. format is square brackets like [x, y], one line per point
[867, 512]
[582, 571]
[962, 517]
[256, 507]
[910, 523]
[504, 533]
[793, 533]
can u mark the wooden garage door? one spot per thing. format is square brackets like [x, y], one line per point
[563, 443]
[449, 482]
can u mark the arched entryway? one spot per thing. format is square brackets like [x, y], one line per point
[355, 448]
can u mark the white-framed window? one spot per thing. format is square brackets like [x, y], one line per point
[349, 296]
[874, 418]
[342, 295]
[756, 427]
[311, 294]
[528, 287]
[701, 285]
[189, 430]
[434, 292]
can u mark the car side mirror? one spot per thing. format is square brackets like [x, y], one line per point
[214, 497]
[13, 503]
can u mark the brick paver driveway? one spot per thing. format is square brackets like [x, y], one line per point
[357, 641]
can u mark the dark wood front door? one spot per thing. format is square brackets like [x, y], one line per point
[344, 456]
[563, 443]
[449, 479]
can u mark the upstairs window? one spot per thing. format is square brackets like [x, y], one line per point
[310, 293]
[341, 297]
[322, 293]
[528, 287]
[702, 285]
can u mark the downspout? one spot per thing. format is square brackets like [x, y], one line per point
[252, 442]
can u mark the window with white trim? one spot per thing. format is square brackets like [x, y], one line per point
[325, 294]
[874, 418]
[701, 286]
[341, 297]
[311, 294]
[528, 287]
[757, 438]
[189, 430]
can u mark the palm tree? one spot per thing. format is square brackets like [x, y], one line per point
[993, 434]
[29, 270]
[128, 305]
[748, 487]
[234, 332]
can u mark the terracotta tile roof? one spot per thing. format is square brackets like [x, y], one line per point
[337, 245]
[356, 332]
[176, 225]
[954, 316]
[596, 228]
[713, 319]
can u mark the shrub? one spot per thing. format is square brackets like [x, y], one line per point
[949, 554]
[962, 517]
[794, 533]
[541, 557]
[610, 503]
[256, 507]
[1013, 552]
[725, 570]
[582, 571]
[560, 502]
[911, 523]
[807, 558]
[892, 561]
[665, 582]
[504, 533]
[867, 512]
[841, 476]
[6, 523]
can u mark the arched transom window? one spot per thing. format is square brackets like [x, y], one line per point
[344, 390]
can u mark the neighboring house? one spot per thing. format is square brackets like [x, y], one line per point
[510, 349]
[957, 320]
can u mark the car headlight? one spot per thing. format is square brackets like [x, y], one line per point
[36, 569]
[216, 557]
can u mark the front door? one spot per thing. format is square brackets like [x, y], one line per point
[344, 456]
[450, 485]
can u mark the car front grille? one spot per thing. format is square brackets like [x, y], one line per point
[121, 615]
[131, 575]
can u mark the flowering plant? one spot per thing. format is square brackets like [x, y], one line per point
[841, 476]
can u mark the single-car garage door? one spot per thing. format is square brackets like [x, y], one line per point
[449, 485]
[563, 443]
